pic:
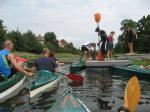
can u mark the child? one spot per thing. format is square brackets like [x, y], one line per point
[110, 39]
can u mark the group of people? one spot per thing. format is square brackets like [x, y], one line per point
[9, 66]
[105, 45]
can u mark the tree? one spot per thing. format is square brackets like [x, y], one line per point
[2, 33]
[50, 37]
[143, 28]
[128, 23]
[31, 44]
[17, 39]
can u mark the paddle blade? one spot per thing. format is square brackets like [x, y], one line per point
[100, 56]
[97, 17]
[75, 77]
[132, 94]
[20, 59]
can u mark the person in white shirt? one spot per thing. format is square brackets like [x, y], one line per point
[88, 50]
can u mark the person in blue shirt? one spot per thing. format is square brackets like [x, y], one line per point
[8, 62]
[45, 62]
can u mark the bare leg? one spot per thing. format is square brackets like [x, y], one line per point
[130, 46]
[108, 54]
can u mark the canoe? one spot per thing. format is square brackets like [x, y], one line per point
[68, 102]
[133, 69]
[44, 81]
[11, 87]
[77, 66]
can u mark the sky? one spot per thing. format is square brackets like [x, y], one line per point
[72, 20]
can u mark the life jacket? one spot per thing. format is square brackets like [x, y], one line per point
[5, 67]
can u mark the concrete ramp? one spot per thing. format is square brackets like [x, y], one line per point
[95, 63]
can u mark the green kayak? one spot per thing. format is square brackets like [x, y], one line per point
[135, 70]
[11, 87]
[77, 66]
[68, 102]
[44, 81]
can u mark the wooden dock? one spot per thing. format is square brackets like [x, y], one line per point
[95, 63]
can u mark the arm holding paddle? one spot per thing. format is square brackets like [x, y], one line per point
[17, 66]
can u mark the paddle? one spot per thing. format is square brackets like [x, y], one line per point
[97, 17]
[20, 59]
[73, 77]
[132, 96]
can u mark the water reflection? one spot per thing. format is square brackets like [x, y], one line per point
[100, 91]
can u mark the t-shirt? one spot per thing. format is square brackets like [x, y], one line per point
[130, 34]
[5, 68]
[110, 39]
[89, 46]
[45, 63]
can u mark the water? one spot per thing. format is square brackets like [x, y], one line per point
[101, 92]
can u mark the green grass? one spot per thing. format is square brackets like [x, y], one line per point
[62, 57]
[144, 62]
[67, 57]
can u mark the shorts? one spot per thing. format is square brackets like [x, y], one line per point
[130, 40]
[84, 48]
[110, 46]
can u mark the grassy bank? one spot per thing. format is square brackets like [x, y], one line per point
[62, 57]
[67, 57]
[142, 62]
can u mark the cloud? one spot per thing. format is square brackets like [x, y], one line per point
[70, 19]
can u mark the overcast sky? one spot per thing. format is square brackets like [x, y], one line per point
[72, 20]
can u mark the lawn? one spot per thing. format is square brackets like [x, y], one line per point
[62, 57]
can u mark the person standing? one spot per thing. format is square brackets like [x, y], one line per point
[104, 43]
[130, 35]
[110, 44]
[8, 64]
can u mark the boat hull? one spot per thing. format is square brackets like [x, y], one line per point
[132, 70]
[68, 102]
[11, 87]
[77, 67]
[36, 91]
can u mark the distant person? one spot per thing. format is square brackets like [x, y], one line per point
[110, 44]
[8, 64]
[130, 35]
[45, 63]
[52, 55]
[88, 50]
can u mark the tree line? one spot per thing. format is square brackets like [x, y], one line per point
[28, 42]
[142, 27]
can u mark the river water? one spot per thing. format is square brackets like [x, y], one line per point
[101, 91]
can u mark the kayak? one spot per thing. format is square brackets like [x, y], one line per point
[44, 81]
[77, 66]
[133, 69]
[11, 87]
[68, 102]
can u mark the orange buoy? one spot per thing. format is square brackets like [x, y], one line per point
[97, 17]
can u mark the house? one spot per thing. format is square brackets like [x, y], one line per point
[62, 43]
[40, 39]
